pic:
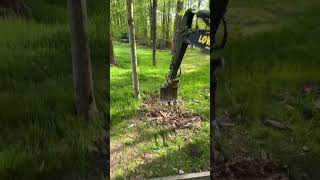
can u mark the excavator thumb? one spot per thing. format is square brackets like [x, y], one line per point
[169, 91]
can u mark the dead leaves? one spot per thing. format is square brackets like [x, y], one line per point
[170, 116]
[248, 168]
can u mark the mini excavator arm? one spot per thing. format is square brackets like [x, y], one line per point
[187, 36]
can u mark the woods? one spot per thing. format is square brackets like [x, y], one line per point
[151, 23]
[144, 10]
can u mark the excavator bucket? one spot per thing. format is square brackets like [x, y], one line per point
[169, 92]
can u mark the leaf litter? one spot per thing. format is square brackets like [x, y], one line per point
[160, 115]
[171, 116]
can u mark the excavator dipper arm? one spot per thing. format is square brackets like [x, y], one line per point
[185, 36]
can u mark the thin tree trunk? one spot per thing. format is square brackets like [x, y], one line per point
[199, 4]
[81, 61]
[150, 20]
[154, 32]
[146, 28]
[177, 22]
[133, 54]
[113, 60]
[164, 20]
[168, 21]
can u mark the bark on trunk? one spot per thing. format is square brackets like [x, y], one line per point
[113, 60]
[154, 32]
[199, 4]
[164, 20]
[177, 21]
[81, 62]
[168, 21]
[133, 55]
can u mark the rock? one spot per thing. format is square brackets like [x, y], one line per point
[181, 172]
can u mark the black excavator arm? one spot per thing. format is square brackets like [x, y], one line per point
[187, 36]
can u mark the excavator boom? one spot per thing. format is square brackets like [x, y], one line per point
[186, 36]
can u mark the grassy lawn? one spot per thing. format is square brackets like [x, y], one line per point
[40, 134]
[127, 150]
[270, 57]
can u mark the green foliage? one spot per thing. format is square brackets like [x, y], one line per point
[166, 9]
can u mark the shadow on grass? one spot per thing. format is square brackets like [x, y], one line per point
[192, 157]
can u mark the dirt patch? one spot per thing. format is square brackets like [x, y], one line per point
[172, 116]
[248, 168]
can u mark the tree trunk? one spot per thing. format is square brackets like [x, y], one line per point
[150, 20]
[164, 20]
[81, 62]
[133, 54]
[168, 25]
[177, 22]
[146, 29]
[112, 56]
[199, 4]
[154, 32]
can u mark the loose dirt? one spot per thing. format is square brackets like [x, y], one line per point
[175, 118]
[249, 168]
[171, 116]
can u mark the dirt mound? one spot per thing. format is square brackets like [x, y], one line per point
[169, 115]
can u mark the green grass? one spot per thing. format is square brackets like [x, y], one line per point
[165, 160]
[40, 134]
[271, 54]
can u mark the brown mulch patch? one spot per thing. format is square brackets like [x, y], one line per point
[172, 116]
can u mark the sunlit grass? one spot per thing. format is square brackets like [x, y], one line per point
[163, 160]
